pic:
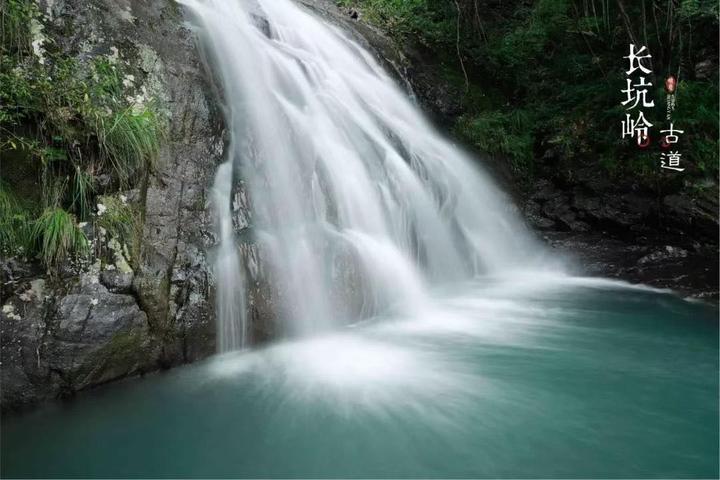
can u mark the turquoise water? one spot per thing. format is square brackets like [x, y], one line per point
[568, 379]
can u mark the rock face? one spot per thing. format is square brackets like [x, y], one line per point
[626, 231]
[108, 322]
[58, 344]
[121, 316]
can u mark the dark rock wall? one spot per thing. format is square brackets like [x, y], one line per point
[60, 335]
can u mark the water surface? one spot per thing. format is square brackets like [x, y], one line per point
[558, 378]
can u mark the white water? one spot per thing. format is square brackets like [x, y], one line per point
[344, 174]
[232, 325]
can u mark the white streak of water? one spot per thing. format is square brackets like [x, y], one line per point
[338, 161]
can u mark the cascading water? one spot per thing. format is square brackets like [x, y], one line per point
[230, 292]
[341, 169]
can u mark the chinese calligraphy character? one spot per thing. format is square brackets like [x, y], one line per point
[635, 60]
[671, 136]
[639, 127]
[673, 161]
[635, 96]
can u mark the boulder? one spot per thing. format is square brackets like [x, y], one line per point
[58, 340]
[96, 336]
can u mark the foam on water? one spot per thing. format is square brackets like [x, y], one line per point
[406, 360]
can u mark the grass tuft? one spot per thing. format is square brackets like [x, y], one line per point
[15, 225]
[130, 140]
[83, 190]
[59, 237]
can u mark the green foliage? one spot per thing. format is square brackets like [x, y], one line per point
[697, 10]
[502, 133]
[697, 114]
[16, 18]
[83, 188]
[54, 190]
[560, 63]
[15, 224]
[66, 120]
[131, 139]
[106, 86]
[430, 21]
[59, 237]
[526, 45]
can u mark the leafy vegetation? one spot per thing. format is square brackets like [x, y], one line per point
[550, 74]
[15, 226]
[130, 139]
[59, 237]
[495, 131]
[83, 189]
[65, 121]
[15, 18]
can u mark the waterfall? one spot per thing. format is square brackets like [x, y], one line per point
[231, 317]
[345, 176]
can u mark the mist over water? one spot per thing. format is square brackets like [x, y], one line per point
[343, 172]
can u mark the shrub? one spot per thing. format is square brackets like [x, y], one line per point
[15, 20]
[697, 115]
[65, 119]
[501, 133]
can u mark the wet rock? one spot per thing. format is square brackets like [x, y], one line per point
[60, 339]
[559, 209]
[117, 281]
[664, 254]
[262, 24]
[436, 94]
[25, 377]
[696, 215]
[544, 190]
[609, 210]
[540, 223]
[97, 336]
[123, 321]
[691, 273]
[535, 217]
[241, 212]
